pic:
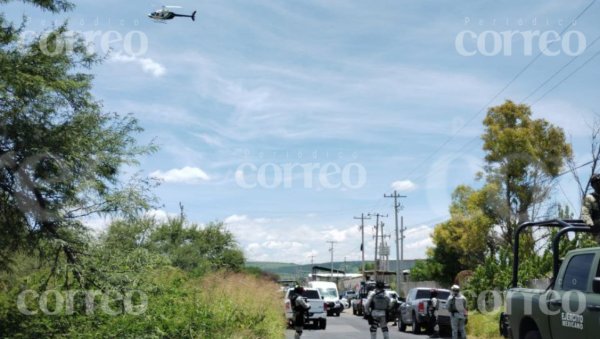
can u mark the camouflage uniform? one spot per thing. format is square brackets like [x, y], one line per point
[377, 305]
[299, 307]
[590, 212]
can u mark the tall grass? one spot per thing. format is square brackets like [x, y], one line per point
[484, 325]
[218, 305]
[241, 306]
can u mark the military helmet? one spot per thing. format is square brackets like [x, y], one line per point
[455, 288]
[299, 289]
[380, 285]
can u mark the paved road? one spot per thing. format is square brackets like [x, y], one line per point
[349, 326]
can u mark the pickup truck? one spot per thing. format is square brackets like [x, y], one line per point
[317, 313]
[361, 298]
[414, 311]
[570, 306]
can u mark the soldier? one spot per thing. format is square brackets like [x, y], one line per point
[376, 307]
[457, 306]
[432, 309]
[590, 209]
[299, 307]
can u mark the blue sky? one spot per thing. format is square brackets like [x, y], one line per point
[286, 119]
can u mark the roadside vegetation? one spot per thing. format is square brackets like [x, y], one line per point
[482, 326]
[523, 159]
[179, 288]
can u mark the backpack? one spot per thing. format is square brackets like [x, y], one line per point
[293, 297]
[380, 301]
[452, 305]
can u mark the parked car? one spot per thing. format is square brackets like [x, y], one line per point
[346, 298]
[356, 305]
[316, 315]
[414, 311]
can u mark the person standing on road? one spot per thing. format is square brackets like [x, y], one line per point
[432, 309]
[299, 308]
[590, 209]
[457, 306]
[377, 305]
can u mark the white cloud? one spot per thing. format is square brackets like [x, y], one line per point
[188, 175]
[97, 224]
[284, 240]
[404, 186]
[160, 215]
[421, 244]
[339, 235]
[148, 65]
[235, 219]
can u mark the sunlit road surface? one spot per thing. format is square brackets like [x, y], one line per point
[348, 326]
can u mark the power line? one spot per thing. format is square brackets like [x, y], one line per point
[567, 77]
[331, 250]
[499, 92]
[563, 67]
[362, 244]
[399, 252]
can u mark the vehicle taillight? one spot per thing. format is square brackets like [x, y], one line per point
[324, 306]
[287, 305]
[421, 307]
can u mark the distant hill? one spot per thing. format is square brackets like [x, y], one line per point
[291, 270]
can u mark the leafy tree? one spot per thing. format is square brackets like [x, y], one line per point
[461, 242]
[60, 153]
[187, 246]
[523, 156]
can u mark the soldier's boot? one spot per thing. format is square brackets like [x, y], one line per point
[386, 333]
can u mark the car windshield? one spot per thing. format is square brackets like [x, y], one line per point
[328, 292]
[443, 295]
[426, 294]
[311, 294]
[423, 294]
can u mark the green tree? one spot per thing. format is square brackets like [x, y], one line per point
[461, 242]
[60, 153]
[187, 246]
[523, 157]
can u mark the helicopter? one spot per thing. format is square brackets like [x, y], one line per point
[164, 13]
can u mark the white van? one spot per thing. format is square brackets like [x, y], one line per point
[330, 295]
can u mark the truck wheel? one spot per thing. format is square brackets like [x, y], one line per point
[534, 334]
[416, 327]
[323, 324]
[354, 311]
[401, 325]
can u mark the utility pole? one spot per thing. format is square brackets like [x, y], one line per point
[399, 258]
[331, 250]
[377, 216]
[362, 244]
[384, 250]
[312, 257]
[345, 267]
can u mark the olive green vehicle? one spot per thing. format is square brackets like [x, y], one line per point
[570, 307]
